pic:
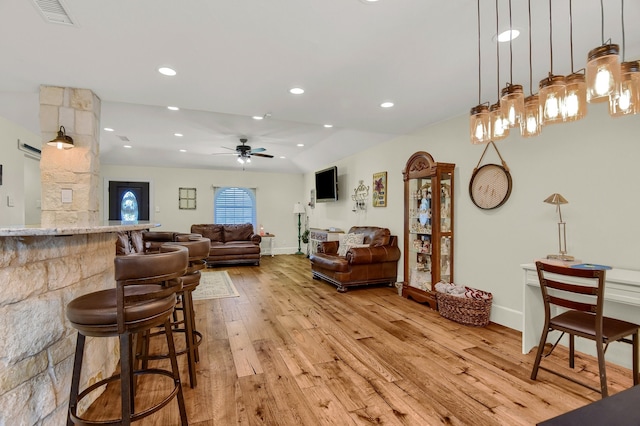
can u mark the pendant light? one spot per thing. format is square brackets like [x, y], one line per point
[628, 100]
[530, 125]
[512, 99]
[479, 123]
[603, 69]
[499, 124]
[575, 101]
[552, 89]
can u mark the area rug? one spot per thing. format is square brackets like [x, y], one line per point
[215, 285]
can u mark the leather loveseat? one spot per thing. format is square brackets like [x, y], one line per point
[230, 244]
[373, 261]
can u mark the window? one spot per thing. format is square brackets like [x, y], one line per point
[234, 205]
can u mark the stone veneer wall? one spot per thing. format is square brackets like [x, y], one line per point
[40, 275]
[78, 168]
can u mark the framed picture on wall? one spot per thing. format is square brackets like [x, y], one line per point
[187, 199]
[380, 189]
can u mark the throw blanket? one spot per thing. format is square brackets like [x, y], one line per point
[462, 291]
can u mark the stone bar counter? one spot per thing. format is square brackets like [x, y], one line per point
[41, 270]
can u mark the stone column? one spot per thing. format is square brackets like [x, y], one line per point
[76, 169]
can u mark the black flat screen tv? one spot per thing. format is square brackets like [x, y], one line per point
[327, 185]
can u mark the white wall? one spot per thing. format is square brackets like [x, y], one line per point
[276, 195]
[17, 172]
[593, 163]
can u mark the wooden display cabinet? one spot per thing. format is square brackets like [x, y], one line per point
[428, 227]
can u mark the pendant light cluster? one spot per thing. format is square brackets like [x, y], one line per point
[560, 98]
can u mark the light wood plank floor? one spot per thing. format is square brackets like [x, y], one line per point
[293, 351]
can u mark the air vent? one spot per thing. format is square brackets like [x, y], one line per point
[53, 11]
[124, 138]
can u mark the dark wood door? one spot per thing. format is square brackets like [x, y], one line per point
[129, 199]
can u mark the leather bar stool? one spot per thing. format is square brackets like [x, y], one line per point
[198, 248]
[144, 297]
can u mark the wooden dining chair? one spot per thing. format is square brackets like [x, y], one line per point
[580, 292]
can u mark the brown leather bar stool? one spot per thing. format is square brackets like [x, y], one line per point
[198, 248]
[144, 297]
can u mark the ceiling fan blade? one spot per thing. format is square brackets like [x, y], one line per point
[254, 150]
[232, 149]
[224, 153]
[262, 155]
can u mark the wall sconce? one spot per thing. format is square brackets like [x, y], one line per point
[558, 199]
[62, 141]
[360, 195]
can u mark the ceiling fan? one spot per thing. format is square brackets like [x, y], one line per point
[245, 152]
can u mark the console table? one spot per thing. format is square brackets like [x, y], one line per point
[622, 300]
[316, 236]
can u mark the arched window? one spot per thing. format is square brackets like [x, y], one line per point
[129, 207]
[234, 205]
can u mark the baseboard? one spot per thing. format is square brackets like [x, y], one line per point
[506, 316]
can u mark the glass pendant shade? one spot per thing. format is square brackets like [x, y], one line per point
[530, 125]
[480, 125]
[512, 101]
[628, 100]
[575, 101]
[499, 126]
[552, 95]
[603, 73]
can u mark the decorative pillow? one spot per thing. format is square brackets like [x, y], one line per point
[347, 240]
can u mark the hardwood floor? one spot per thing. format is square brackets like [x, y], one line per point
[293, 351]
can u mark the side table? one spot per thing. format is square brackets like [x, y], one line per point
[271, 238]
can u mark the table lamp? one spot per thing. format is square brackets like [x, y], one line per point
[558, 199]
[299, 210]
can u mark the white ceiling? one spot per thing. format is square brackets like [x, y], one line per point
[238, 58]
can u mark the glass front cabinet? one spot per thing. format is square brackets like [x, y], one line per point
[428, 227]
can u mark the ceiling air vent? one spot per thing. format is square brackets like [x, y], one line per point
[53, 11]
[124, 138]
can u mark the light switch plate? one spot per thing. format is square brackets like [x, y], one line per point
[67, 195]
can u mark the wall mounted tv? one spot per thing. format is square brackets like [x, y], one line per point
[327, 185]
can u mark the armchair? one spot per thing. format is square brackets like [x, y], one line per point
[373, 262]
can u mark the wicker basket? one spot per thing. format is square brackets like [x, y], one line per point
[465, 310]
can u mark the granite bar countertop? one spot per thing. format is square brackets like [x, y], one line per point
[110, 226]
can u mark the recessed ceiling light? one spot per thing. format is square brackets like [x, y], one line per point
[127, 146]
[386, 104]
[167, 71]
[178, 135]
[507, 35]
[300, 144]
[257, 117]
[297, 91]
[108, 129]
[368, 1]
[328, 126]
[283, 157]
[183, 150]
[173, 108]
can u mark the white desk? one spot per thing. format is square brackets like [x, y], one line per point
[622, 300]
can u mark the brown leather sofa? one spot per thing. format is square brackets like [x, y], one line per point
[230, 244]
[375, 264]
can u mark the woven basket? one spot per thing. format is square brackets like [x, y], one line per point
[465, 310]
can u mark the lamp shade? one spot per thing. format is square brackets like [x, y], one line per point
[298, 208]
[62, 141]
[629, 96]
[556, 199]
[552, 96]
[603, 73]
[479, 125]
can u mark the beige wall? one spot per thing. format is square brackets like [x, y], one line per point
[276, 194]
[593, 163]
[17, 176]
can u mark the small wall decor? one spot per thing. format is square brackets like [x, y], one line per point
[360, 194]
[380, 189]
[187, 199]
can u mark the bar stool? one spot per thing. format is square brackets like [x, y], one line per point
[198, 248]
[144, 298]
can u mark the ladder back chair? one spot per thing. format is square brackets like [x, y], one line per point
[580, 295]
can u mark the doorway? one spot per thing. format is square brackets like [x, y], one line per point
[128, 201]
